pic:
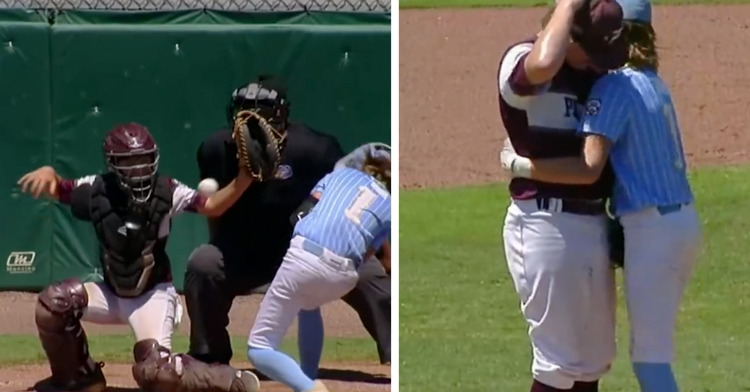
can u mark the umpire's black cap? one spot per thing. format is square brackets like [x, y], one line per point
[597, 28]
[267, 94]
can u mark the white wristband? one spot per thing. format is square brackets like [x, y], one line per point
[521, 167]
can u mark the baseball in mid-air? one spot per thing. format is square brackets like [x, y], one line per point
[208, 187]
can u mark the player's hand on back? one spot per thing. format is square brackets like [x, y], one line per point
[42, 180]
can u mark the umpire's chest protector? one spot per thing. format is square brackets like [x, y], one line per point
[132, 255]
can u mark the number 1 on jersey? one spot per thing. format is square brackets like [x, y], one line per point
[364, 199]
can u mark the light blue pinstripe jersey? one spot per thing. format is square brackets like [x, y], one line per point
[634, 110]
[352, 215]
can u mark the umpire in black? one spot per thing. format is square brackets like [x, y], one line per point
[248, 242]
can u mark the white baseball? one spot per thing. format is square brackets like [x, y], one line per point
[208, 187]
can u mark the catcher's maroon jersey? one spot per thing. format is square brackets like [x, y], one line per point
[541, 122]
[184, 198]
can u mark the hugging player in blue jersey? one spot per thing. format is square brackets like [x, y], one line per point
[350, 221]
[629, 118]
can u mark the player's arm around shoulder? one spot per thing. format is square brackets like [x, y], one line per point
[527, 69]
[608, 108]
[605, 117]
[551, 46]
[514, 84]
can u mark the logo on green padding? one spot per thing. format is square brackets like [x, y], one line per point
[20, 263]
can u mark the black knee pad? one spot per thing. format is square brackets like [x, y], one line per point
[205, 261]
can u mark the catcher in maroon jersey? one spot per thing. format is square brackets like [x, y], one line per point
[131, 207]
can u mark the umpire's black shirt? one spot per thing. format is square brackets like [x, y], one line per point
[256, 229]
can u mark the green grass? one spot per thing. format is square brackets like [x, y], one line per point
[25, 349]
[460, 323]
[411, 4]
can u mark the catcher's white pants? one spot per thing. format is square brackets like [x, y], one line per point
[309, 277]
[152, 315]
[661, 248]
[560, 266]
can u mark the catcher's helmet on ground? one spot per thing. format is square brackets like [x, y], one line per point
[130, 152]
[267, 96]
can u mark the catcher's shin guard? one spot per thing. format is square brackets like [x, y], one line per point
[158, 370]
[58, 319]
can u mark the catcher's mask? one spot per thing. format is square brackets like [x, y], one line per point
[265, 96]
[131, 152]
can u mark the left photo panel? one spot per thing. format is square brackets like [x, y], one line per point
[198, 196]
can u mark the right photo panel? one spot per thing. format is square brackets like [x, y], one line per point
[572, 196]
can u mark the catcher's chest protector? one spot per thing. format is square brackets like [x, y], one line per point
[128, 239]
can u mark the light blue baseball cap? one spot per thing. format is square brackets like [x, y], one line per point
[636, 10]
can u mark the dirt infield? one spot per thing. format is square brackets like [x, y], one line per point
[340, 321]
[450, 127]
[350, 378]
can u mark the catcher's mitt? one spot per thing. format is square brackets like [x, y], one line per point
[259, 145]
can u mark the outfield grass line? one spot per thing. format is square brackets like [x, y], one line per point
[26, 349]
[469, 4]
[694, 175]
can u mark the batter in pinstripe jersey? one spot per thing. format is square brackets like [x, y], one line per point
[350, 221]
[629, 118]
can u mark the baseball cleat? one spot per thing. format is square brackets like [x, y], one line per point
[249, 381]
[92, 382]
[318, 387]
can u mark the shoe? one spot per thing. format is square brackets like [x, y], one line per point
[318, 387]
[248, 380]
[92, 382]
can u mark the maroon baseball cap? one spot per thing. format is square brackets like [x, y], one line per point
[597, 28]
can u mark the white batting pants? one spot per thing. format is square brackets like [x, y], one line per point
[560, 267]
[152, 315]
[309, 277]
[661, 249]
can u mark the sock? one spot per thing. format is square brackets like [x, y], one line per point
[280, 367]
[581, 386]
[310, 337]
[655, 377]
[536, 386]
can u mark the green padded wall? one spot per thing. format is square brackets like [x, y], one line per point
[172, 72]
[25, 107]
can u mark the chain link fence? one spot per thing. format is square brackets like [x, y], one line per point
[378, 6]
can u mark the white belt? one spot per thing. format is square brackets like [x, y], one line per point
[325, 255]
